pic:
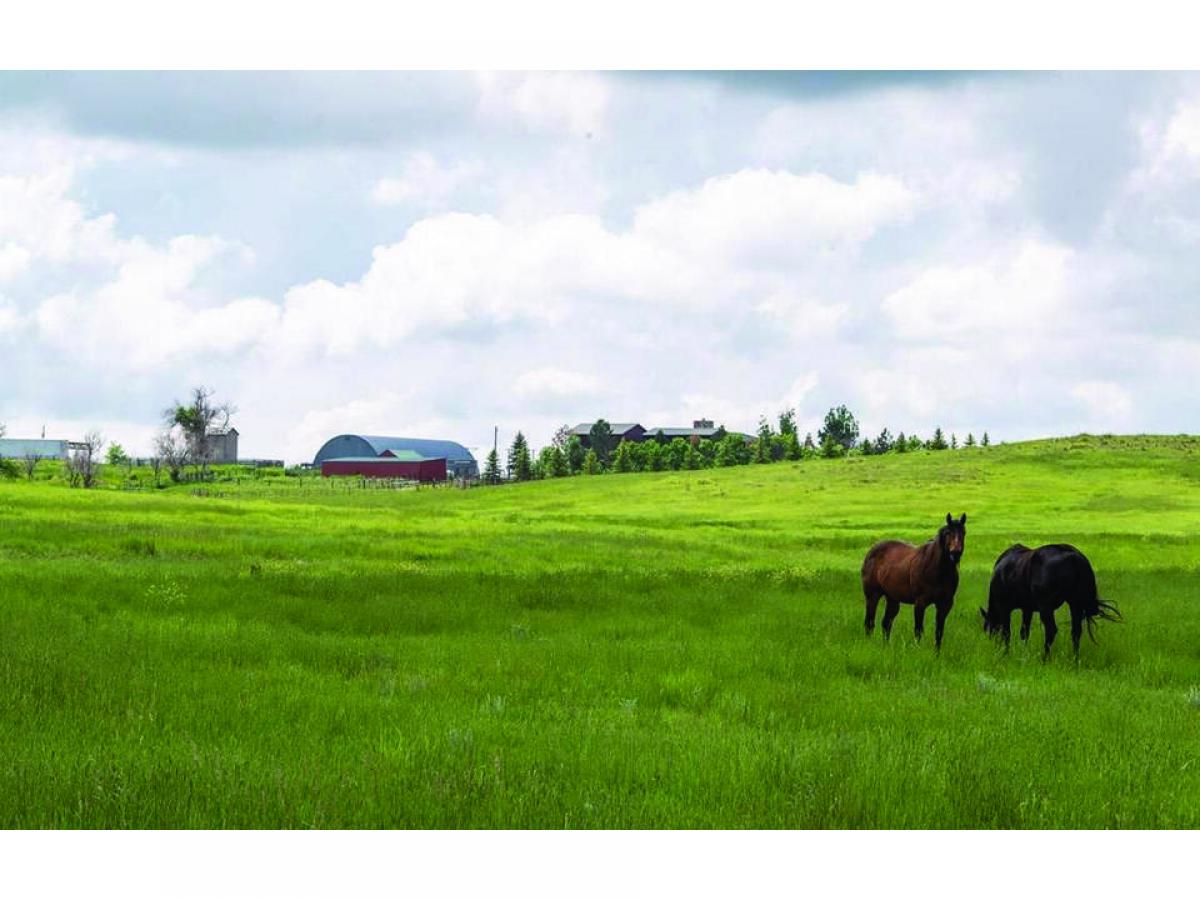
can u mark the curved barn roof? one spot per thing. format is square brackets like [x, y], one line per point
[373, 445]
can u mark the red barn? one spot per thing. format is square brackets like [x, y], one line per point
[390, 464]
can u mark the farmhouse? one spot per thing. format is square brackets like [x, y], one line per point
[457, 460]
[702, 429]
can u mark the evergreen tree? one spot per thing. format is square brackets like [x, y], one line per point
[691, 457]
[491, 469]
[762, 446]
[883, 443]
[841, 425]
[787, 422]
[831, 448]
[985, 442]
[591, 463]
[866, 448]
[953, 441]
[575, 455]
[656, 456]
[623, 458]
[520, 465]
[810, 449]
[901, 443]
[914, 443]
[603, 441]
[938, 441]
[970, 439]
[791, 447]
[676, 454]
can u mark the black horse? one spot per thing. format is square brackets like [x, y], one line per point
[1041, 581]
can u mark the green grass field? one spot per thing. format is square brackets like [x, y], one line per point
[658, 650]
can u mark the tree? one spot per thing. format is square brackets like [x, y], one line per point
[520, 464]
[883, 443]
[83, 465]
[970, 440]
[558, 463]
[602, 440]
[841, 425]
[762, 446]
[810, 449]
[623, 458]
[171, 448]
[831, 447]
[901, 445]
[656, 456]
[562, 437]
[938, 441]
[732, 451]
[691, 457]
[591, 463]
[866, 448]
[197, 421]
[575, 455]
[491, 468]
[985, 442]
[676, 454]
[953, 441]
[30, 463]
[791, 446]
[116, 455]
[156, 464]
[787, 421]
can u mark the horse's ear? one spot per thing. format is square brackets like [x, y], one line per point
[949, 518]
[963, 519]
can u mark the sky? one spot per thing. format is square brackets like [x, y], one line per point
[435, 254]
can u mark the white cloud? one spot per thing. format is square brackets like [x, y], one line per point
[424, 181]
[1104, 401]
[13, 260]
[1020, 291]
[555, 383]
[574, 103]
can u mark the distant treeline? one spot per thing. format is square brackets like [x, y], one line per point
[838, 437]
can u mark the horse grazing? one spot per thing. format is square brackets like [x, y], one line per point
[917, 575]
[1041, 581]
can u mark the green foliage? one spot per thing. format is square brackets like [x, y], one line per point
[937, 442]
[603, 441]
[792, 450]
[762, 446]
[623, 458]
[732, 451]
[491, 469]
[787, 422]
[691, 457]
[575, 454]
[591, 463]
[116, 455]
[9, 468]
[953, 441]
[840, 426]
[901, 445]
[520, 464]
[676, 454]
[970, 439]
[831, 447]
[883, 443]
[985, 442]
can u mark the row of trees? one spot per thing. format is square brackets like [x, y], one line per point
[837, 437]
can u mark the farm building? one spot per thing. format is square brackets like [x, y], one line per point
[19, 448]
[459, 462]
[702, 429]
[398, 464]
[223, 444]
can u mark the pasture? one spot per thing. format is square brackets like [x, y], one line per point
[658, 650]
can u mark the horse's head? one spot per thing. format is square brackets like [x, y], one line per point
[989, 626]
[953, 536]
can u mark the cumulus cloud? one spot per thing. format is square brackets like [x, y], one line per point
[424, 181]
[1104, 401]
[551, 382]
[574, 103]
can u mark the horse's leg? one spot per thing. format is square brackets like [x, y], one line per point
[919, 618]
[1051, 628]
[1076, 628]
[872, 605]
[889, 614]
[943, 610]
[1026, 623]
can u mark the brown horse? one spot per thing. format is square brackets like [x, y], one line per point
[918, 575]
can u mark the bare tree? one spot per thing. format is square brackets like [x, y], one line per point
[83, 465]
[156, 464]
[197, 421]
[30, 462]
[170, 450]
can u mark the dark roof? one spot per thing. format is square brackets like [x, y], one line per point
[585, 428]
[403, 456]
[683, 432]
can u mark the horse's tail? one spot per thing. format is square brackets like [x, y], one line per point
[1095, 609]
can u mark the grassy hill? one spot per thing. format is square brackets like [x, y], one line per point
[657, 650]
